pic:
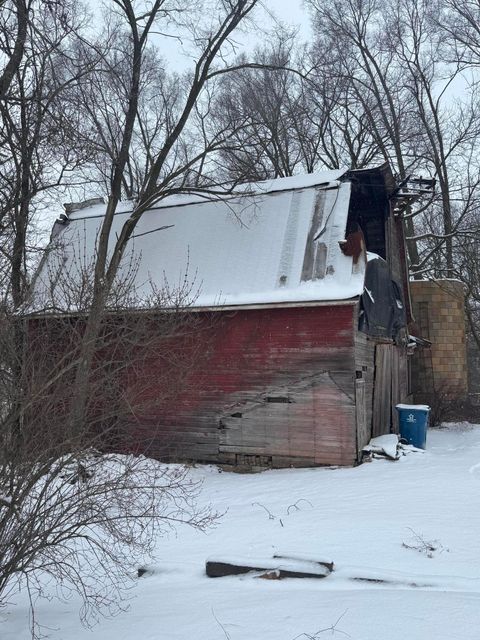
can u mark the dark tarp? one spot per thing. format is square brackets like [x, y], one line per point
[382, 311]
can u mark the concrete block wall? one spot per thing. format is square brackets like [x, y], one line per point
[438, 309]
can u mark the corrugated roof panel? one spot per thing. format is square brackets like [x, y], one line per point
[271, 246]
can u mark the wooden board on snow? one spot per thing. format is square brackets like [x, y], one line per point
[281, 566]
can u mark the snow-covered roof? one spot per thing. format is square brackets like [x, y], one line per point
[277, 242]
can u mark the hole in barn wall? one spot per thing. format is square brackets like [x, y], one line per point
[237, 415]
[278, 399]
[358, 375]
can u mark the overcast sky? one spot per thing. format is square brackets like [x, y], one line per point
[291, 12]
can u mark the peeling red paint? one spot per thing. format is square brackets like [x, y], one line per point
[247, 354]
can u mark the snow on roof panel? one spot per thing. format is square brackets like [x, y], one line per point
[272, 246]
[289, 183]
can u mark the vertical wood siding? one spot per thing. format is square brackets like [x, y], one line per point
[382, 397]
[365, 366]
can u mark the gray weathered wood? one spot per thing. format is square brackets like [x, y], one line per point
[396, 387]
[365, 371]
[316, 414]
[382, 395]
[363, 429]
[220, 569]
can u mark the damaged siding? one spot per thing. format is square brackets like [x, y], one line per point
[364, 372]
[276, 387]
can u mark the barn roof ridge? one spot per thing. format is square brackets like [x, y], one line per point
[186, 196]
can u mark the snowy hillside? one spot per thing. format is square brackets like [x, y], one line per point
[404, 537]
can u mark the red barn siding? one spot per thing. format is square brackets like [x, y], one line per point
[274, 385]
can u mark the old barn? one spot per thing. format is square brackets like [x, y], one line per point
[307, 277]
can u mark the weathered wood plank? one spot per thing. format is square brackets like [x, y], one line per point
[396, 387]
[283, 568]
[382, 397]
[363, 430]
[364, 370]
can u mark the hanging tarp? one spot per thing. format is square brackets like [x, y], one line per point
[382, 311]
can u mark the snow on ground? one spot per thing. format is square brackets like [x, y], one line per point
[360, 518]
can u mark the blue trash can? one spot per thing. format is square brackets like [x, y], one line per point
[413, 421]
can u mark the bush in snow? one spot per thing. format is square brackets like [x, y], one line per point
[81, 522]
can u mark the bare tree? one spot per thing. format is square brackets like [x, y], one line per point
[168, 170]
[64, 374]
[98, 102]
[298, 114]
[14, 26]
[352, 43]
[266, 98]
[400, 74]
[68, 511]
[450, 128]
[36, 155]
[461, 21]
